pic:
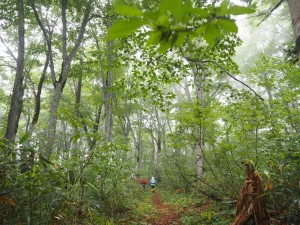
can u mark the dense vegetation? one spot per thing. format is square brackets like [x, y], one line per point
[97, 93]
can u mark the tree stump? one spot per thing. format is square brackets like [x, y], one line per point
[251, 204]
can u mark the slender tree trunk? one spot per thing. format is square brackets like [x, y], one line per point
[108, 103]
[107, 87]
[294, 7]
[16, 102]
[37, 98]
[157, 141]
[187, 90]
[199, 145]
[137, 140]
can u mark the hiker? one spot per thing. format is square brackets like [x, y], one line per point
[152, 183]
[144, 182]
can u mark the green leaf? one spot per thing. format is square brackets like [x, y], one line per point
[122, 28]
[212, 31]
[43, 159]
[200, 30]
[200, 12]
[180, 39]
[224, 6]
[163, 21]
[71, 176]
[154, 38]
[92, 186]
[164, 46]
[239, 10]
[174, 6]
[227, 25]
[128, 11]
[151, 15]
[24, 138]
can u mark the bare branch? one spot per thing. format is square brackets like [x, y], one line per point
[270, 12]
[229, 74]
[8, 49]
[47, 38]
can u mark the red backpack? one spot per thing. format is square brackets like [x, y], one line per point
[143, 181]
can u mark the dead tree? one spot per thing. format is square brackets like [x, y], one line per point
[251, 203]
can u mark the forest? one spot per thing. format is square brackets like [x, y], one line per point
[201, 95]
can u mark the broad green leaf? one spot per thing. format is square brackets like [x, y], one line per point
[239, 10]
[227, 25]
[212, 31]
[180, 38]
[174, 6]
[200, 30]
[224, 6]
[200, 12]
[163, 21]
[128, 11]
[151, 15]
[164, 46]
[154, 38]
[122, 28]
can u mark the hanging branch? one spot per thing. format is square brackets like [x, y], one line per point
[219, 65]
[270, 12]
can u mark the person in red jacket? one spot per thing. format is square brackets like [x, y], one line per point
[144, 182]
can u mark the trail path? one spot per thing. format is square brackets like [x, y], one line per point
[168, 214]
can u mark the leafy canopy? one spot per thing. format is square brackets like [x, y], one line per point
[175, 21]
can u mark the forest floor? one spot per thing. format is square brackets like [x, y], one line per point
[165, 207]
[167, 213]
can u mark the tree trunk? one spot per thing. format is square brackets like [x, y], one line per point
[294, 7]
[157, 141]
[37, 98]
[199, 145]
[108, 103]
[187, 90]
[16, 102]
[137, 140]
[66, 64]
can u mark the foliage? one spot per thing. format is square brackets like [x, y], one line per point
[154, 110]
[174, 21]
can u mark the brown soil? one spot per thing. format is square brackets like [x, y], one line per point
[167, 214]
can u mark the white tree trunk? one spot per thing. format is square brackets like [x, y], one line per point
[199, 145]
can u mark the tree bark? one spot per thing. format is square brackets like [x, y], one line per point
[16, 102]
[37, 98]
[199, 145]
[294, 7]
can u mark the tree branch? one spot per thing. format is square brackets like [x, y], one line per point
[229, 74]
[8, 49]
[270, 12]
[47, 39]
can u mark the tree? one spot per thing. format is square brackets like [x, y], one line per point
[59, 80]
[16, 102]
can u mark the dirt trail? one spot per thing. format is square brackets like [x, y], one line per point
[168, 214]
